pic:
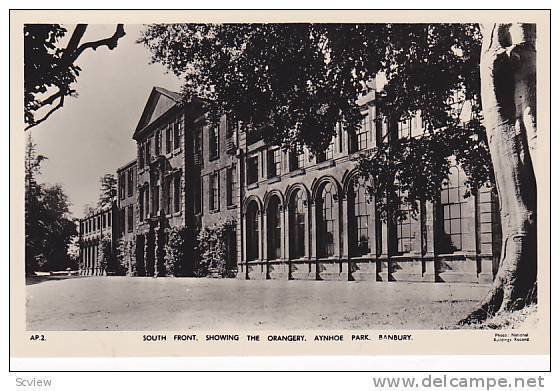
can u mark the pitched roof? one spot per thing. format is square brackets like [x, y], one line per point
[159, 103]
[171, 94]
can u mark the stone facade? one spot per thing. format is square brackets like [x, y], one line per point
[310, 217]
[184, 174]
[127, 207]
[296, 216]
[99, 225]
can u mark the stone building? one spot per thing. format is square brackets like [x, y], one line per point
[186, 176]
[99, 225]
[310, 217]
[294, 215]
[127, 208]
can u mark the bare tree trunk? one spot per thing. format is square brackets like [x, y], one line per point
[508, 92]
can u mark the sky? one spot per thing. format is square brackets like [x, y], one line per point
[92, 134]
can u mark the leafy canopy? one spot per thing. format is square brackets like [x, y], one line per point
[42, 54]
[295, 82]
[49, 227]
[49, 69]
[107, 191]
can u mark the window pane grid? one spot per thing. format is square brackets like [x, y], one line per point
[405, 230]
[253, 232]
[168, 139]
[327, 222]
[361, 219]
[274, 160]
[214, 142]
[214, 195]
[297, 225]
[452, 203]
[252, 169]
[177, 132]
[362, 136]
[404, 128]
[130, 182]
[231, 185]
[273, 215]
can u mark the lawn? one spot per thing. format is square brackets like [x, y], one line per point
[144, 303]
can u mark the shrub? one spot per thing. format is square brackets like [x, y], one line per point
[126, 255]
[149, 252]
[104, 253]
[175, 251]
[212, 249]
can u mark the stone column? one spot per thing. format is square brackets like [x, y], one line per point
[81, 257]
[336, 238]
[336, 213]
[313, 230]
[264, 235]
[140, 256]
[345, 236]
[149, 256]
[94, 263]
[383, 271]
[161, 188]
[286, 251]
[416, 227]
[283, 255]
[244, 258]
[468, 225]
[430, 250]
[343, 256]
[86, 259]
[372, 229]
[89, 258]
[261, 256]
[307, 232]
[313, 265]
[159, 269]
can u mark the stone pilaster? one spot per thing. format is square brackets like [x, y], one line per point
[159, 269]
[149, 254]
[140, 255]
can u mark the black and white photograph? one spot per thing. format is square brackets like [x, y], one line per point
[285, 177]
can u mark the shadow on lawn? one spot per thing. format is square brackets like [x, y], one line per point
[32, 280]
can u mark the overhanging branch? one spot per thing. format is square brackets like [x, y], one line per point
[58, 106]
[71, 53]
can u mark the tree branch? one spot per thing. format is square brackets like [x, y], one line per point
[58, 106]
[110, 42]
[53, 97]
[71, 53]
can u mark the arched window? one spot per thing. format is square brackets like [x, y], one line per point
[326, 221]
[297, 225]
[273, 215]
[359, 218]
[453, 212]
[252, 231]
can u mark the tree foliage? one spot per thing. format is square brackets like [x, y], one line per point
[49, 69]
[126, 255]
[295, 82]
[175, 251]
[212, 243]
[108, 190]
[49, 228]
[105, 254]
